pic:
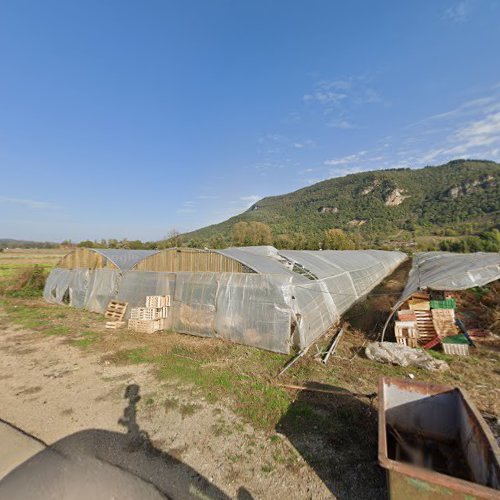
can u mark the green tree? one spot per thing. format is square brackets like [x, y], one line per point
[336, 239]
[86, 244]
[251, 234]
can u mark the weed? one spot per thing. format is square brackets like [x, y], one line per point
[221, 428]
[188, 409]
[170, 404]
[266, 468]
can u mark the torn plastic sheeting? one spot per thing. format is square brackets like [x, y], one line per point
[262, 260]
[448, 271]
[103, 286]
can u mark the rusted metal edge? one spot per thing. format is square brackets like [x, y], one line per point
[425, 474]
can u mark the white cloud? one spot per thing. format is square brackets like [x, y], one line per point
[346, 159]
[27, 203]
[304, 144]
[459, 12]
[479, 138]
[341, 123]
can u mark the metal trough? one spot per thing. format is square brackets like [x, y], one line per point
[434, 443]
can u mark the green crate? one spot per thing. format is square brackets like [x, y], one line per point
[455, 339]
[443, 304]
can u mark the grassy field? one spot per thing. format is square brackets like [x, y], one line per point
[246, 380]
[12, 261]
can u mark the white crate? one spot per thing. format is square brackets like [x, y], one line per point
[147, 325]
[456, 349]
[158, 301]
[149, 313]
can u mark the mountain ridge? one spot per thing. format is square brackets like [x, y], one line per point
[460, 197]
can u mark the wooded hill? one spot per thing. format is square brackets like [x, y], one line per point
[379, 207]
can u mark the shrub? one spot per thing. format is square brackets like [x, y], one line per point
[29, 282]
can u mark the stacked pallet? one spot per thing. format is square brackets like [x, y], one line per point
[405, 329]
[407, 315]
[151, 318]
[425, 326]
[444, 322]
[406, 333]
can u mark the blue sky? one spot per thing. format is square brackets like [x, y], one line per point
[127, 118]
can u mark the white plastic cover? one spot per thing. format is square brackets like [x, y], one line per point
[451, 271]
[274, 308]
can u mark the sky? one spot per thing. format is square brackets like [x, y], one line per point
[127, 118]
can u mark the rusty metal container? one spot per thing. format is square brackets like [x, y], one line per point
[434, 443]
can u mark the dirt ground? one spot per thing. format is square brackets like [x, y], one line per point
[52, 390]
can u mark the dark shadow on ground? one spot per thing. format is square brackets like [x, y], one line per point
[370, 313]
[337, 436]
[95, 464]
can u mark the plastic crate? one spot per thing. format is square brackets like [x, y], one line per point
[416, 304]
[443, 304]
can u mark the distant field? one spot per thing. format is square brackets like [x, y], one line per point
[13, 260]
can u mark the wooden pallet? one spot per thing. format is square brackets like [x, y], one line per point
[425, 326]
[115, 325]
[432, 343]
[116, 310]
[406, 333]
[406, 315]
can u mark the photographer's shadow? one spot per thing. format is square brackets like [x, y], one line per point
[102, 464]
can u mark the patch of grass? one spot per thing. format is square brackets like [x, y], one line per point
[441, 355]
[56, 330]
[258, 401]
[86, 339]
[135, 356]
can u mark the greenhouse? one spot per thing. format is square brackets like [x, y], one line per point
[259, 296]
